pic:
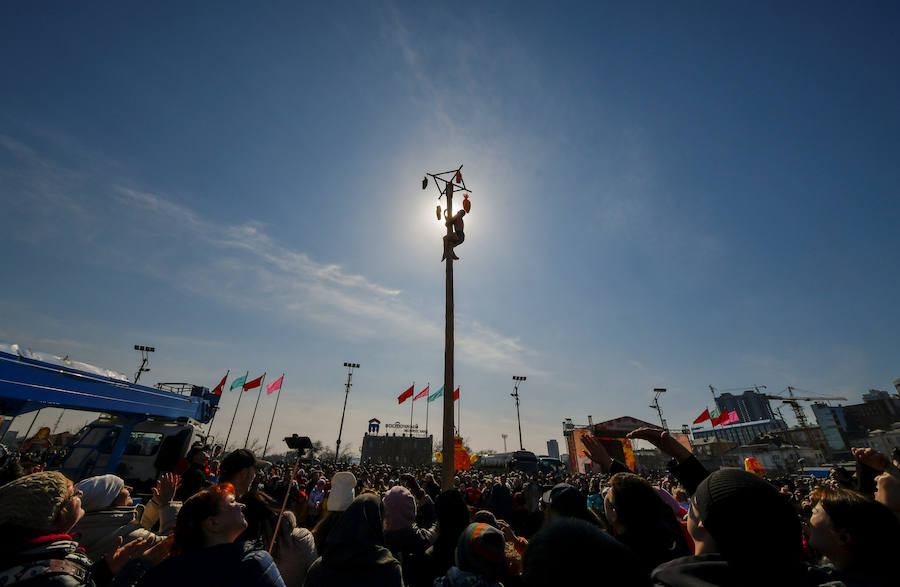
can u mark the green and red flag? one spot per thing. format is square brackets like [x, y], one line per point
[703, 417]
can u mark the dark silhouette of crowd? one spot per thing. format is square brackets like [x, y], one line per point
[243, 521]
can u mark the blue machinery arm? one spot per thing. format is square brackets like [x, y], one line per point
[27, 385]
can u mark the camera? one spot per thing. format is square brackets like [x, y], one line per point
[300, 443]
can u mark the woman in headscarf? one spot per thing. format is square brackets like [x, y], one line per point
[480, 558]
[354, 552]
[406, 541]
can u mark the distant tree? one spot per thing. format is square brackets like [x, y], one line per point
[327, 453]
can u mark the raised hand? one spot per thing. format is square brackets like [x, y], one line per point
[507, 530]
[871, 458]
[596, 451]
[117, 559]
[661, 440]
[165, 488]
[159, 551]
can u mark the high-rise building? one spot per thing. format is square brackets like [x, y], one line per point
[750, 406]
[831, 421]
[553, 448]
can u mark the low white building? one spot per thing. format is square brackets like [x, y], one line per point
[883, 441]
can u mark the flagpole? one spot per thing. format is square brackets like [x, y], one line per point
[411, 406]
[253, 417]
[277, 397]
[237, 405]
[216, 411]
[427, 401]
[458, 415]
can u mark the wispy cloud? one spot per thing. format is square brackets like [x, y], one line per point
[291, 284]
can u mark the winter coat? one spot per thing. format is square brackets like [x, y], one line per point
[235, 563]
[354, 553]
[98, 532]
[295, 549]
[408, 546]
[53, 561]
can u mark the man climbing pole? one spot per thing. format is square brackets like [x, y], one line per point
[456, 236]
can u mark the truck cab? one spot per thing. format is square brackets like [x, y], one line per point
[154, 446]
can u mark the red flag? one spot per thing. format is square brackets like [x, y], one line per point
[405, 395]
[254, 384]
[720, 419]
[423, 393]
[218, 389]
[456, 394]
[703, 417]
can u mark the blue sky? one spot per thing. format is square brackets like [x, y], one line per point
[662, 196]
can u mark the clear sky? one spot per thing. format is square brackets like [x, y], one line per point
[663, 196]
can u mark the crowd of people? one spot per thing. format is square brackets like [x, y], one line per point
[242, 521]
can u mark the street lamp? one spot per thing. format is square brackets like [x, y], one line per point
[350, 368]
[515, 394]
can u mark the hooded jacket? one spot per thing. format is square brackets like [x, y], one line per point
[354, 552]
[98, 531]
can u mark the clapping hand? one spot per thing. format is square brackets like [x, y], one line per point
[165, 488]
[122, 554]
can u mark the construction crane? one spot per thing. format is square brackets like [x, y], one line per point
[794, 401]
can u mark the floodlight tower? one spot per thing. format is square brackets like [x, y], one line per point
[347, 386]
[145, 358]
[659, 391]
[515, 394]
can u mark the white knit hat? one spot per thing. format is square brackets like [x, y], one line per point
[343, 490]
[99, 492]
